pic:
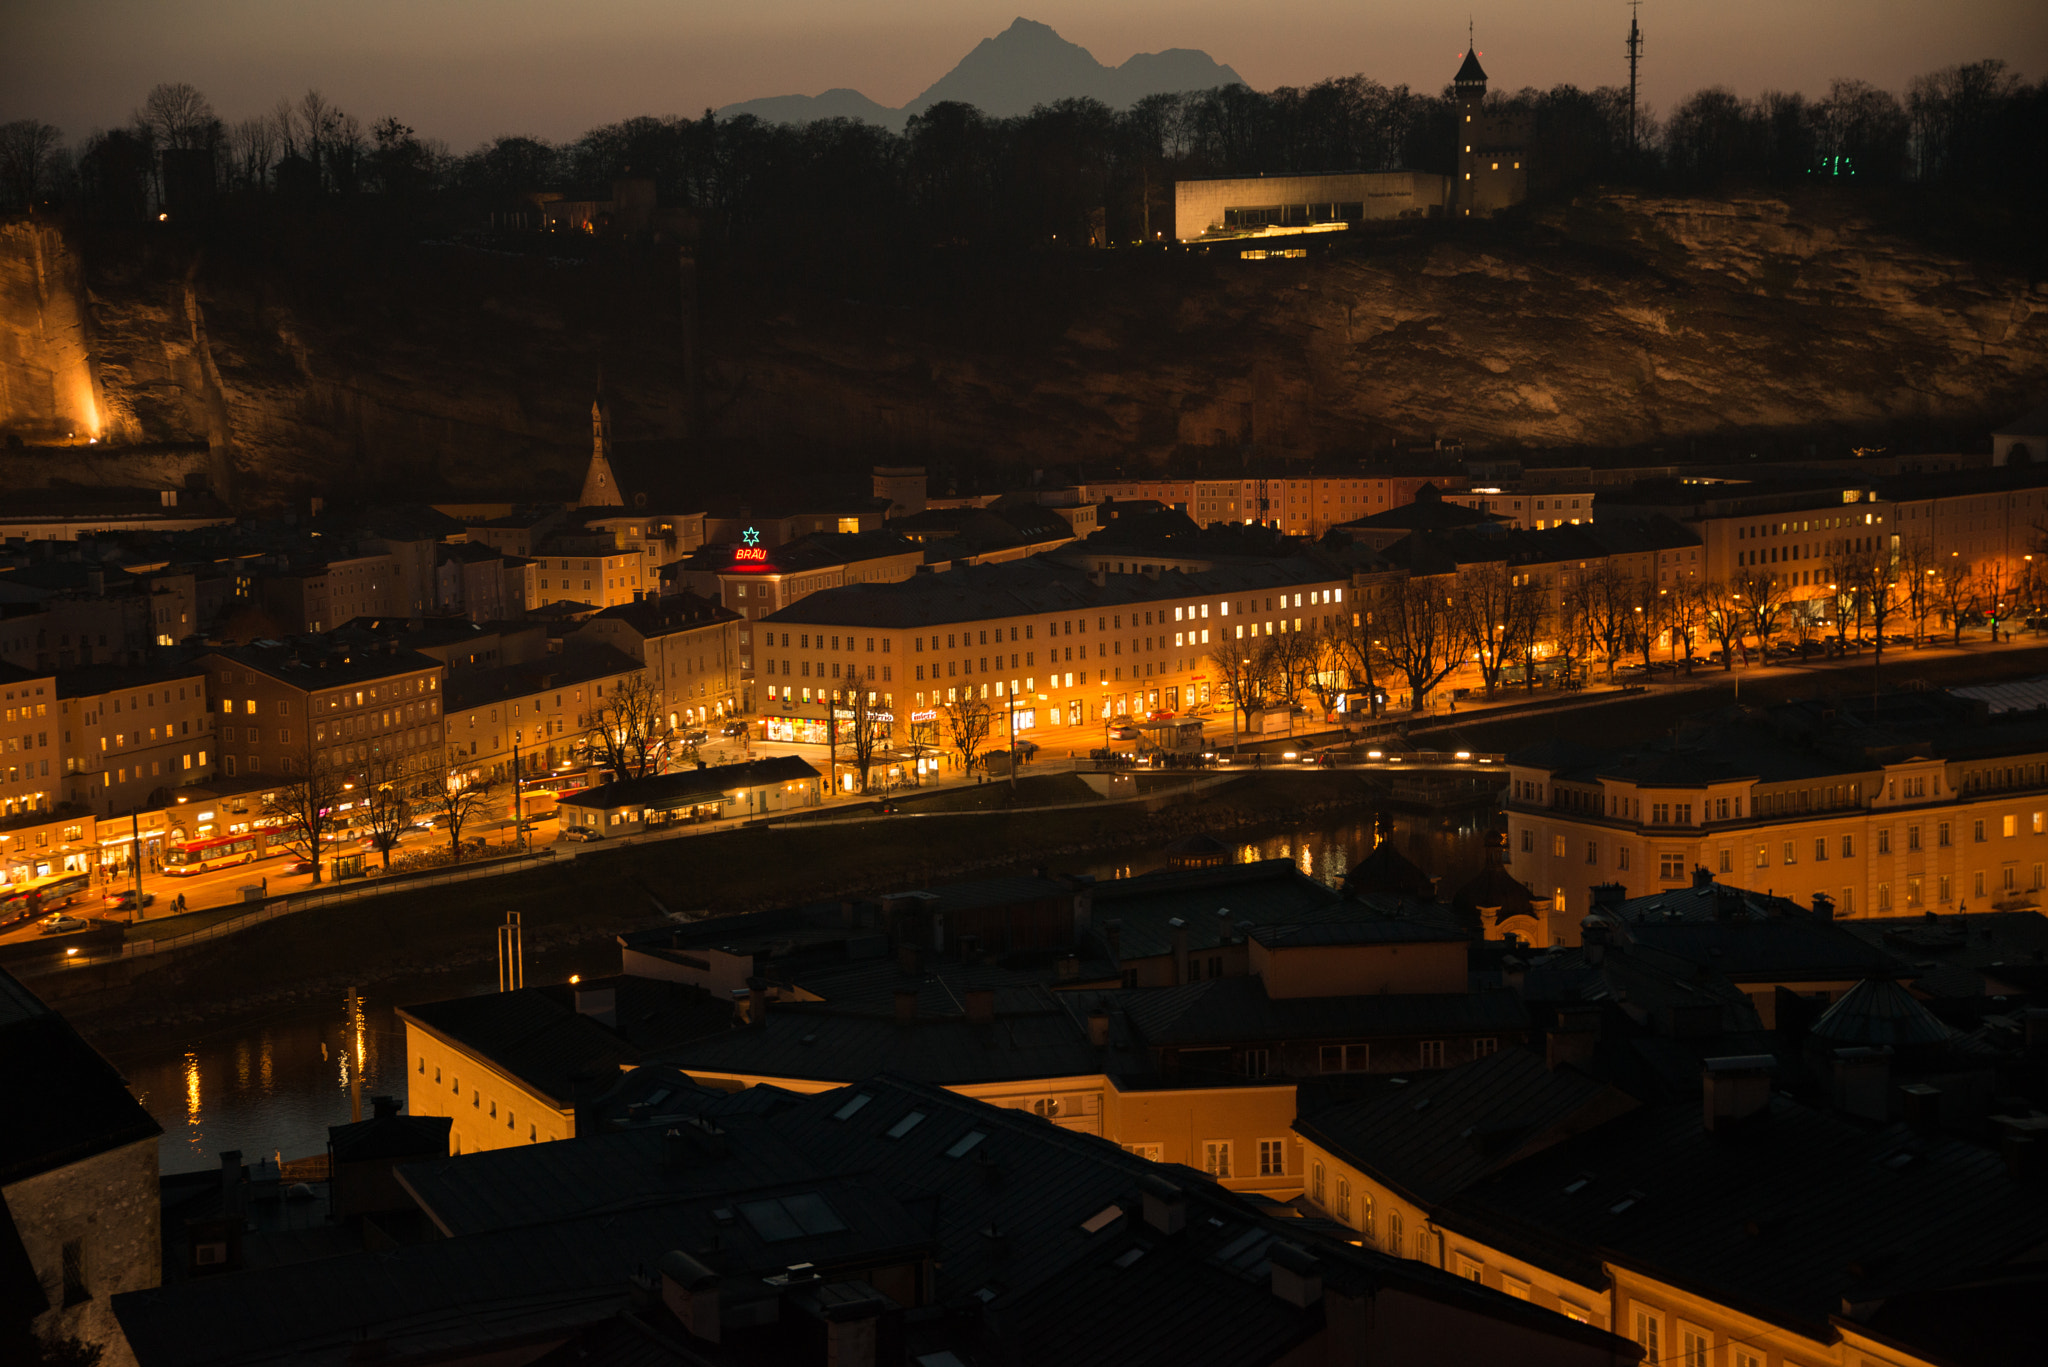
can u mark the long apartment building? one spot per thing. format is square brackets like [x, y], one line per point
[532, 718]
[693, 649]
[130, 733]
[288, 710]
[1075, 645]
[1917, 802]
[1303, 505]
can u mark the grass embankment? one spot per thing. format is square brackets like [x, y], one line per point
[416, 935]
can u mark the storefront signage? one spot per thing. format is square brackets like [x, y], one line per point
[751, 551]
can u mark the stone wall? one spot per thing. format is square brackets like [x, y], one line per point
[110, 1204]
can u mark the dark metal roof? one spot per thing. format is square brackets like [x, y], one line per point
[1877, 1012]
[1783, 1220]
[65, 1101]
[1227, 1011]
[1439, 1134]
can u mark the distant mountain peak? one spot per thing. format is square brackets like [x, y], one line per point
[1026, 64]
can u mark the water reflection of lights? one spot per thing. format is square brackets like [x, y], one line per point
[192, 1094]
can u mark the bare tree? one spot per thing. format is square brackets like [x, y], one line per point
[1762, 595]
[922, 735]
[1724, 619]
[1608, 615]
[1686, 612]
[394, 787]
[1918, 571]
[868, 730]
[1424, 634]
[628, 731]
[457, 803]
[1873, 581]
[1351, 639]
[28, 149]
[1646, 613]
[1240, 667]
[301, 810]
[969, 720]
[1486, 602]
[1956, 588]
[252, 149]
[179, 116]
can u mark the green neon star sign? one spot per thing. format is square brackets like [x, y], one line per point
[751, 537]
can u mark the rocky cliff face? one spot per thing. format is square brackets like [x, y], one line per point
[1615, 321]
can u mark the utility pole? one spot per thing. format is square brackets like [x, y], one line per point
[135, 851]
[1635, 53]
[1013, 739]
[511, 955]
[518, 817]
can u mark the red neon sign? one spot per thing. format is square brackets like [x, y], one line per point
[758, 554]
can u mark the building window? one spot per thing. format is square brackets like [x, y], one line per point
[1912, 892]
[1763, 856]
[1941, 889]
[1557, 846]
[1216, 1157]
[1976, 884]
[1912, 838]
[1471, 1271]
[1365, 1216]
[1621, 858]
[1791, 852]
[1528, 841]
[1884, 894]
[1485, 1045]
[1693, 1346]
[1432, 1053]
[1849, 843]
[1649, 1333]
[1977, 830]
[2010, 825]
[1671, 865]
[1884, 842]
[1727, 860]
[1941, 835]
[1592, 851]
[1257, 1062]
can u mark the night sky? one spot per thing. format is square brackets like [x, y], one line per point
[464, 70]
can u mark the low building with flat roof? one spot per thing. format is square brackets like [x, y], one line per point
[780, 783]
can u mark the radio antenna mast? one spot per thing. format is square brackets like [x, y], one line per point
[1635, 54]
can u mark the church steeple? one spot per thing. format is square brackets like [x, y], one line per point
[600, 485]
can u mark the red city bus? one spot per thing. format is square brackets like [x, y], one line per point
[204, 856]
[32, 897]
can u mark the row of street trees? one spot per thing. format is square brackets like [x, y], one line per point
[1501, 623]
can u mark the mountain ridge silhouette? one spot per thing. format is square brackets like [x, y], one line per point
[1026, 64]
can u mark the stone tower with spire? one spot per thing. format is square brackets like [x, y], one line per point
[600, 484]
[1492, 147]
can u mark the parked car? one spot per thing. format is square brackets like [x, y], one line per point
[1123, 733]
[581, 833]
[60, 924]
[733, 728]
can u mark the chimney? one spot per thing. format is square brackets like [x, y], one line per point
[906, 957]
[1859, 1081]
[690, 1291]
[2036, 1022]
[2021, 1143]
[1098, 1029]
[1922, 1106]
[1069, 967]
[1701, 878]
[852, 1328]
[1113, 936]
[981, 1006]
[906, 1006]
[1099, 576]
[757, 1002]
[1736, 1090]
[1609, 894]
[1166, 1205]
[1180, 949]
[1573, 1039]
[383, 1107]
[1297, 1274]
[1593, 934]
[1823, 908]
[601, 1004]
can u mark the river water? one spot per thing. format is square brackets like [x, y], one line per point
[272, 1085]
